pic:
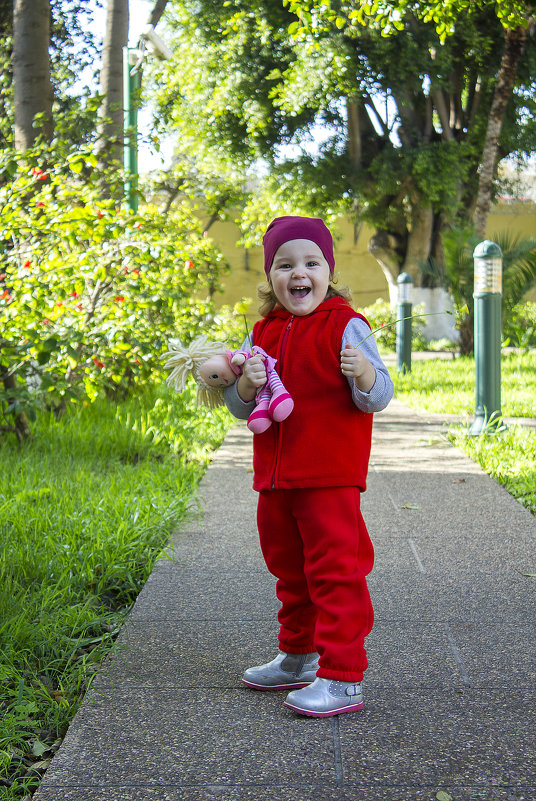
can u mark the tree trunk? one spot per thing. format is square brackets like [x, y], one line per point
[354, 133]
[419, 243]
[31, 70]
[513, 49]
[111, 80]
[383, 246]
[32, 90]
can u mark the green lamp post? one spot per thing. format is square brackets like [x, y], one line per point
[133, 58]
[403, 325]
[487, 330]
[131, 87]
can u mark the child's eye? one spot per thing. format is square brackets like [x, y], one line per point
[312, 264]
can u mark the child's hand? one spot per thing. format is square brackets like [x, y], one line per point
[252, 379]
[354, 364]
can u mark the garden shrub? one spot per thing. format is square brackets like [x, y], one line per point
[89, 292]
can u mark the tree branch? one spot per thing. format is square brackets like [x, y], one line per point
[157, 12]
[513, 48]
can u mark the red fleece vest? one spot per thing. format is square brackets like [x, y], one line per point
[325, 442]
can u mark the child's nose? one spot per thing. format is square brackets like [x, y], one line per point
[298, 270]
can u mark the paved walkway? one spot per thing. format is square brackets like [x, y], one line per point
[450, 695]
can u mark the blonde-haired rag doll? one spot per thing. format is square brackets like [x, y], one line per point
[214, 368]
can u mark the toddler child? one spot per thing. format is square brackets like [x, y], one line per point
[310, 469]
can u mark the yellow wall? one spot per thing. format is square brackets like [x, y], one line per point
[515, 219]
[355, 267]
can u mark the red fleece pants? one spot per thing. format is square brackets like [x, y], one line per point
[317, 545]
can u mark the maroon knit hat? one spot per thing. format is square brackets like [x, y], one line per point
[283, 229]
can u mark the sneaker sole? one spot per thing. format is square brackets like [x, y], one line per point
[311, 714]
[271, 687]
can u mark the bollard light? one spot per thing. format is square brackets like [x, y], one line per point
[488, 268]
[403, 326]
[487, 330]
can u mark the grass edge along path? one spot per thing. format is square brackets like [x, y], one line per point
[447, 386]
[86, 507]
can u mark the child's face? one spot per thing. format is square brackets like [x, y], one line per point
[299, 276]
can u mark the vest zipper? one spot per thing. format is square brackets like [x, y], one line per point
[282, 350]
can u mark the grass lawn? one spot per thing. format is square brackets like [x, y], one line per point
[448, 387]
[85, 509]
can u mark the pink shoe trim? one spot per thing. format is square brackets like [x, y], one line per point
[311, 714]
[281, 407]
[268, 688]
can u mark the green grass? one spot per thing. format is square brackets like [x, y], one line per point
[85, 509]
[448, 387]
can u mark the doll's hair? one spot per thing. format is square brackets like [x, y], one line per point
[186, 359]
[269, 301]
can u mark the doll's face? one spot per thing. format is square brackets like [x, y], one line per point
[216, 372]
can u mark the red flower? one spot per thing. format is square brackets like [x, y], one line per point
[59, 303]
[136, 273]
[73, 294]
[188, 264]
[40, 203]
[119, 298]
[137, 225]
[27, 264]
[79, 306]
[2, 276]
[46, 321]
[98, 363]
[100, 213]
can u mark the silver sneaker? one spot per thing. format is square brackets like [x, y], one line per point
[285, 672]
[326, 697]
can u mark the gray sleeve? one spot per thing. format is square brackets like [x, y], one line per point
[383, 389]
[238, 408]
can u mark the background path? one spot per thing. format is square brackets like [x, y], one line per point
[450, 695]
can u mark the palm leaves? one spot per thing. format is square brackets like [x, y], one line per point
[519, 273]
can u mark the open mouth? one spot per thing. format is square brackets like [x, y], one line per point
[300, 291]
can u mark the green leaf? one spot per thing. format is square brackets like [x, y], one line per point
[39, 748]
[50, 344]
[43, 357]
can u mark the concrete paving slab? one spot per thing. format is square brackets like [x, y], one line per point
[398, 792]
[410, 595]
[193, 737]
[192, 653]
[500, 654]
[442, 738]
[458, 552]
[188, 592]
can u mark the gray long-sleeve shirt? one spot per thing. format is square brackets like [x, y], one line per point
[373, 401]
